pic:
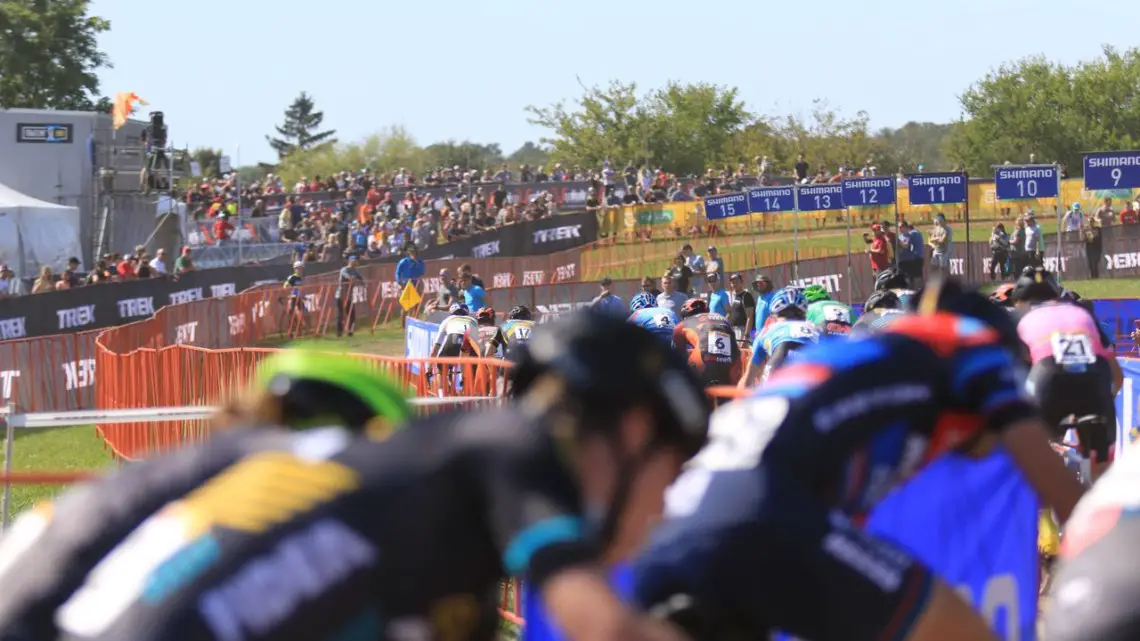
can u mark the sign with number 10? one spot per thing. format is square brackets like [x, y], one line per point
[820, 197]
[869, 192]
[936, 189]
[1021, 182]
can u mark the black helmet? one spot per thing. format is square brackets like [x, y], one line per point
[1036, 285]
[890, 279]
[883, 299]
[608, 364]
[948, 295]
[519, 312]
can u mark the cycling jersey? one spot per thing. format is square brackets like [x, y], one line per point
[491, 340]
[708, 341]
[658, 320]
[778, 333]
[905, 296]
[294, 280]
[757, 528]
[517, 332]
[875, 321]
[831, 317]
[267, 535]
[1098, 576]
[457, 335]
[1070, 371]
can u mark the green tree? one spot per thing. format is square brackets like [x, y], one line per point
[1053, 111]
[385, 152]
[301, 129]
[529, 154]
[49, 55]
[466, 155]
[209, 161]
[607, 123]
[915, 144]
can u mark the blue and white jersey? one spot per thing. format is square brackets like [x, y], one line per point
[658, 320]
[780, 332]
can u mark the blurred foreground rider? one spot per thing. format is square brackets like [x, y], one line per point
[271, 534]
[757, 536]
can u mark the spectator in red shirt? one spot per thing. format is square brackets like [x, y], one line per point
[1129, 216]
[223, 230]
[878, 251]
[126, 267]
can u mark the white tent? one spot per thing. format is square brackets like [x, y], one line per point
[34, 233]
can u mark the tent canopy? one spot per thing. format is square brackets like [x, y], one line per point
[34, 233]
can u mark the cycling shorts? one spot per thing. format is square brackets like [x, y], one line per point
[756, 553]
[455, 345]
[712, 373]
[1062, 392]
[779, 355]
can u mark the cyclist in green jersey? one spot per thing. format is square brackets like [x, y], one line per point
[832, 317]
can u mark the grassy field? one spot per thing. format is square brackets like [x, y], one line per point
[743, 252]
[62, 449]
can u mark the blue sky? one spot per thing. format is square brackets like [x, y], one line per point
[223, 72]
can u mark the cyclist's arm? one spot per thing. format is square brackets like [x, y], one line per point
[582, 605]
[947, 617]
[755, 365]
[1117, 374]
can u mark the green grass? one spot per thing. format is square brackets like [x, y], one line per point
[59, 449]
[743, 252]
[386, 341]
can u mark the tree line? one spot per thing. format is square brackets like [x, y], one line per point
[49, 59]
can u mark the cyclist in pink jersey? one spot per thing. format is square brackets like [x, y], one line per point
[1073, 372]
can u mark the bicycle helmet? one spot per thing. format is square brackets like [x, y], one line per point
[317, 388]
[1036, 285]
[816, 293]
[519, 312]
[694, 306]
[890, 279]
[787, 299]
[644, 300]
[1002, 295]
[883, 299]
[459, 309]
[485, 315]
[605, 366]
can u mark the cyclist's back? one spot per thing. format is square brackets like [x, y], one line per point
[710, 346]
[270, 535]
[831, 317]
[457, 336]
[517, 332]
[657, 320]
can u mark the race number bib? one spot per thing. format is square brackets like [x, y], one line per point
[804, 331]
[522, 334]
[1073, 349]
[720, 344]
[836, 314]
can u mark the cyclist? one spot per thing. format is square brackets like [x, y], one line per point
[881, 309]
[276, 535]
[657, 320]
[293, 283]
[518, 328]
[707, 341]
[1073, 373]
[458, 334]
[758, 532]
[1098, 571]
[832, 317]
[786, 334]
[890, 280]
[1001, 296]
[491, 340]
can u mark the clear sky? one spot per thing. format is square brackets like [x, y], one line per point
[224, 71]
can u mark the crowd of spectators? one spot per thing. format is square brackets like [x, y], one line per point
[110, 268]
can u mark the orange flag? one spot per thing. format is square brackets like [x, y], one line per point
[124, 107]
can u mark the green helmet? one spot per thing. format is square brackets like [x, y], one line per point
[319, 388]
[816, 293]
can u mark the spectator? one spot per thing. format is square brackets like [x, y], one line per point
[1017, 260]
[1073, 219]
[1034, 242]
[1094, 245]
[765, 290]
[45, 282]
[718, 297]
[941, 242]
[465, 270]
[474, 296]
[650, 287]
[608, 302]
[448, 291]
[410, 267]
[144, 269]
[223, 230]
[714, 264]
[346, 305]
[100, 274]
[670, 298]
[71, 274]
[1129, 216]
[681, 274]
[696, 263]
[741, 308]
[892, 241]
[7, 281]
[126, 267]
[184, 264]
[1105, 213]
[999, 252]
[801, 169]
[877, 250]
[911, 252]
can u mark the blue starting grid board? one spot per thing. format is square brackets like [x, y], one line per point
[768, 200]
[938, 189]
[820, 197]
[1021, 182]
[871, 191]
[1107, 170]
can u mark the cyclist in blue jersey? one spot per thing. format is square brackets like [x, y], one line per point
[659, 321]
[761, 529]
[788, 332]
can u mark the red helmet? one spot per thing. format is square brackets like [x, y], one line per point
[485, 314]
[694, 306]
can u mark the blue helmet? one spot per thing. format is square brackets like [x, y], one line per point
[459, 309]
[644, 300]
[786, 298]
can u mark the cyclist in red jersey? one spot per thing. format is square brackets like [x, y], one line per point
[708, 342]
